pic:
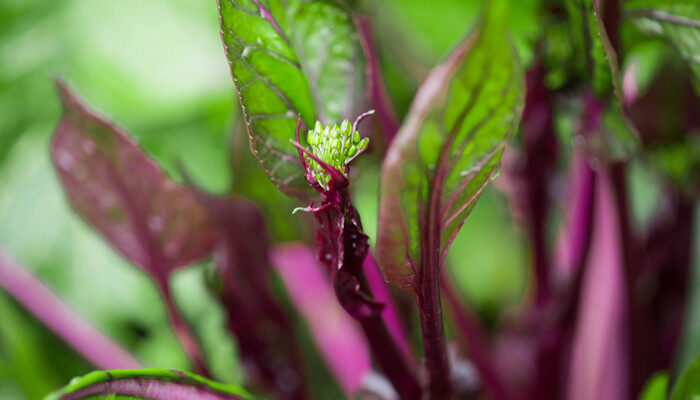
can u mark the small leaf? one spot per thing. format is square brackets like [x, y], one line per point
[147, 384]
[287, 59]
[688, 385]
[677, 21]
[447, 150]
[148, 218]
[656, 387]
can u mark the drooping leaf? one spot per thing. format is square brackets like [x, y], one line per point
[447, 150]
[688, 385]
[291, 58]
[267, 344]
[677, 21]
[148, 218]
[656, 387]
[147, 384]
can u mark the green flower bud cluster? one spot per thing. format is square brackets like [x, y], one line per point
[334, 145]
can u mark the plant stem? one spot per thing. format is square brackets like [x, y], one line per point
[70, 327]
[390, 358]
[390, 313]
[478, 345]
[183, 332]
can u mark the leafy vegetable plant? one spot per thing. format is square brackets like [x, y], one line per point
[554, 121]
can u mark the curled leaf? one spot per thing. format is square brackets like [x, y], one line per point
[147, 384]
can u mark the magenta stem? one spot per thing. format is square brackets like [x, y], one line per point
[183, 332]
[390, 313]
[388, 121]
[478, 344]
[69, 326]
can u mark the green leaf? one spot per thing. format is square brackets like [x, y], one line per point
[577, 48]
[151, 384]
[620, 138]
[679, 161]
[656, 387]
[291, 58]
[448, 149]
[677, 21]
[688, 385]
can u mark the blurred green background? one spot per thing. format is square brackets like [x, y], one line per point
[157, 68]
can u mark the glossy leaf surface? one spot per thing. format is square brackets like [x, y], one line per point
[448, 149]
[291, 58]
[150, 384]
[147, 217]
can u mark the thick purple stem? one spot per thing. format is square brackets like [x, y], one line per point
[391, 316]
[436, 360]
[72, 328]
[478, 345]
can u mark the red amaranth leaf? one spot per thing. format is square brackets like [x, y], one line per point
[147, 217]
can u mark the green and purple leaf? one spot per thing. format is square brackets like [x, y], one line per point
[147, 384]
[147, 217]
[291, 58]
[447, 150]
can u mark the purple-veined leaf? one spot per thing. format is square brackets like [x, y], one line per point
[291, 58]
[336, 334]
[447, 151]
[68, 325]
[267, 345]
[147, 384]
[598, 369]
[147, 217]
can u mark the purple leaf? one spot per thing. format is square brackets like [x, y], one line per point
[598, 368]
[70, 327]
[337, 336]
[267, 344]
[147, 217]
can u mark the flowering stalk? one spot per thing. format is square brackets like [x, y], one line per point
[342, 244]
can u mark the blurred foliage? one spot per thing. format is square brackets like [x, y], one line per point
[157, 67]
